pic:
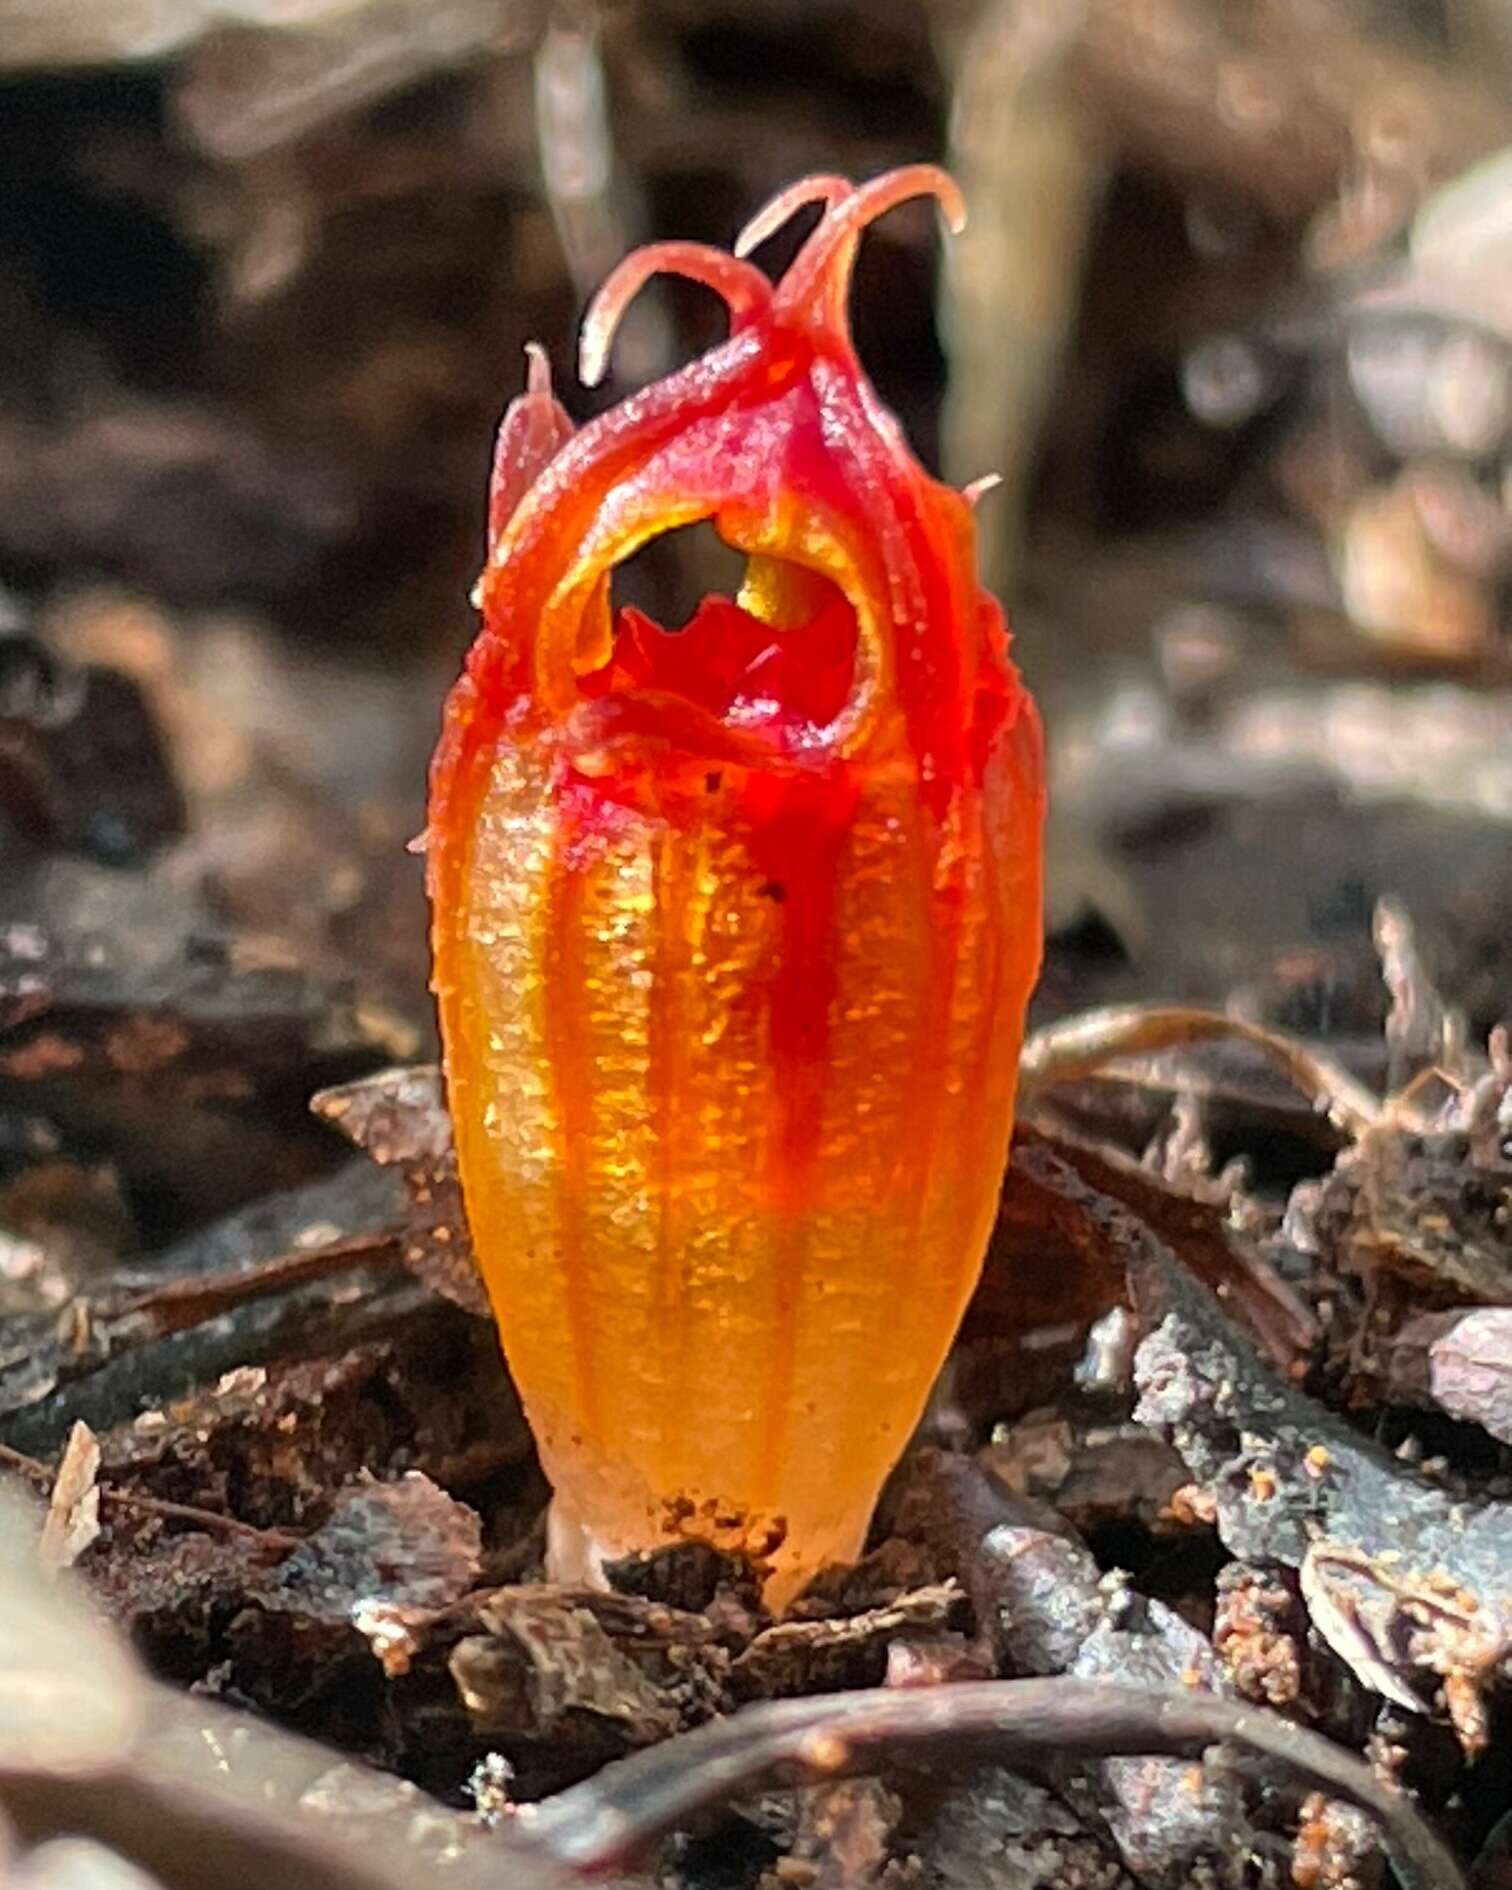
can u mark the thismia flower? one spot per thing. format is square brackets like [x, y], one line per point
[733, 927]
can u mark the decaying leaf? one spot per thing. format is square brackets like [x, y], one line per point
[1430, 1208]
[1403, 1632]
[399, 1118]
[544, 1660]
[1462, 1361]
[797, 1657]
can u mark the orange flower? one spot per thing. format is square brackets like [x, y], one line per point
[734, 928]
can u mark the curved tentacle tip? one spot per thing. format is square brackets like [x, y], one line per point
[953, 206]
[848, 209]
[593, 350]
[537, 370]
[830, 249]
[824, 187]
[878, 195]
[744, 288]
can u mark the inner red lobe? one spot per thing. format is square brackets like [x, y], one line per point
[778, 682]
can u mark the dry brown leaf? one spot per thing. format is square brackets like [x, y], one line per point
[73, 1512]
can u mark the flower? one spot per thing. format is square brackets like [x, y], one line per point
[734, 926]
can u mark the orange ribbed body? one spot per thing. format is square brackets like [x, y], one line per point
[734, 931]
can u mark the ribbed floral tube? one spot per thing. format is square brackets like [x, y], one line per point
[733, 928]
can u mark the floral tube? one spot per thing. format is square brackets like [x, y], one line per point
[734, 927]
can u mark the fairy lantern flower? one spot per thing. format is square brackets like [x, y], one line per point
[734, 925]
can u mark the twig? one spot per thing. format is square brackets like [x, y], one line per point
[601, 1824]
[275, 1541]
[189, 1302]
[25, 1466]
[1083, 1046]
